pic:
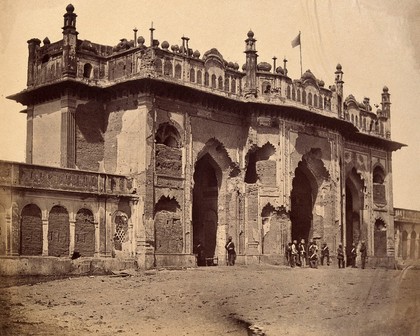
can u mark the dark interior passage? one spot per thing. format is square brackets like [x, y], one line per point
[205, 205]
[301, 206]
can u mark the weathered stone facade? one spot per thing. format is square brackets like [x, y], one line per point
[407, 236]
[191, 149]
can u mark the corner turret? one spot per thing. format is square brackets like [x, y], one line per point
[33, 46]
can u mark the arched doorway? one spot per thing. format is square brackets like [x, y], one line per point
[303, 196]
[84, 232]
[58, 232]
[380, 238]
[205, 196]
[354, 200]
[31, 234]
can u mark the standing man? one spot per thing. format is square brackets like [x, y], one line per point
[313, 255]
[303, 252]
[294, 254]
[363, 254]
[325, 253]
[230, 248]
[353, 255]
[288, 253]
[340, 256]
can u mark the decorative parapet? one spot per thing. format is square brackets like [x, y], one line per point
[408, 216]
[101, 67]
[21, 175]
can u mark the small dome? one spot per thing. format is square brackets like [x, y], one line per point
[321, 83]
[175, 48]
[46, 41]
[308, 75]
[70, 8]
[244, 67]
[140, 40]
[264, 66]
[280, 70]
[236, 66]
[338, 67]
[165, 45]
[182, 49]
[230, 64]
[250, 34]
[385, 89]
[196, 54]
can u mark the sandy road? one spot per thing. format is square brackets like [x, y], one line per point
[219, 301]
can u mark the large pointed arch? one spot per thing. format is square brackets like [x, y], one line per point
[355, 231]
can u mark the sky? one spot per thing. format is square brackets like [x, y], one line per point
[377, 42]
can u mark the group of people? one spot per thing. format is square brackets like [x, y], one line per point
[298, 254]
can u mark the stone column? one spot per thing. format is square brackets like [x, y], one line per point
[68, 132]
[72, 238]
[15, 234]
[97, 239]
[45, 236]
[29, 133]
[8, 219]
[397, 242]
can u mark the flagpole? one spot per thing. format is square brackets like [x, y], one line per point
[300, 48]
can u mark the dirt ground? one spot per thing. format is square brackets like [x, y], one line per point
[219, 300]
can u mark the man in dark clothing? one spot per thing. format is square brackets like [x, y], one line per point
[363, 254]
[288, 253]
[340, 256]
[230, 248]
[353, 255]
[199, 251]
[325, 254]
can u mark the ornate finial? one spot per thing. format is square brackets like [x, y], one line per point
[70, 8]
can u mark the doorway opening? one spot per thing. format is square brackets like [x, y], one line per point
[303, 196]
[354, 200]
[205, 203]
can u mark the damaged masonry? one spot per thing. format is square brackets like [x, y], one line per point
[137, 152]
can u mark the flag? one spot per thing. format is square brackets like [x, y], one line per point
[296, 41]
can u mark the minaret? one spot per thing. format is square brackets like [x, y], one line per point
[386, 111]
[251, 65]
[386, 103]
[69, 43]
[33, 46]
[339, 80]
[339, 88]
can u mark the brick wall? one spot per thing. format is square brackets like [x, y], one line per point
[89, 136]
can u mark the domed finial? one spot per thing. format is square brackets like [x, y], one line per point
[338, 67]
[250, 34]
[70, 8]
[140, 40]
[385, 89]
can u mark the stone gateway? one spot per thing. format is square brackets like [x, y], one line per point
[136, 152]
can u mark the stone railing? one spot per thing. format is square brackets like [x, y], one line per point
[406, 215]
[22, 175]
